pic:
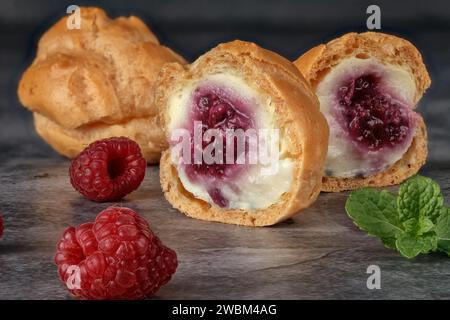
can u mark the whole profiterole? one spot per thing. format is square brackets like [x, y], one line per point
[368, 86]
[96, 82]
[241, 86]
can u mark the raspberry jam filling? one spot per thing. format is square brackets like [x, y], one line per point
[373, 118]
[220, 109]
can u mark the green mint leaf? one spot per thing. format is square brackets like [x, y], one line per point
[376, 213]
[414, 222]
[389, 242]
[419, 204]
[410, 245]
[443, 231]
[412, 225]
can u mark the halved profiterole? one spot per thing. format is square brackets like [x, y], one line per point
[368, 86]
[240, 86]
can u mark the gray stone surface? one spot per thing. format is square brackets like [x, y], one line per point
[318, 254]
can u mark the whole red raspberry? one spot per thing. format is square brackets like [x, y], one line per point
[115, 257]
[108, 170]
[1, 225]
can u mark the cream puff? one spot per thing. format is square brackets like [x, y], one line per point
[100, 76]
[239, 88]
[368, 86]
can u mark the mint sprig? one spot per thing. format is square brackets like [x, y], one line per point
[413, 222]
[443, 230]
[383, 222]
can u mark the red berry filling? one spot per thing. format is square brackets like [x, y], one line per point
[108, 170]
[217, 108]
[115, 257]
[373, 118]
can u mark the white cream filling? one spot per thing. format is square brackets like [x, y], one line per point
[259, 185]
[342, 160]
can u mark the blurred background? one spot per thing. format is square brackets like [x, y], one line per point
[192, 27]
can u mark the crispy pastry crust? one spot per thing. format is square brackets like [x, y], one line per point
[102, 74]
[69, 142]
[295, 110]
[388, 49]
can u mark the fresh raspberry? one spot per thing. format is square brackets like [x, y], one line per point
[108, 170]
[115, 257]
[1, 225]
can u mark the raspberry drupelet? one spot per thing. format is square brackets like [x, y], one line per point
[115, 257]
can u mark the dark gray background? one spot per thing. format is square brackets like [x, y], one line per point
[192, 27]
[319, 254]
